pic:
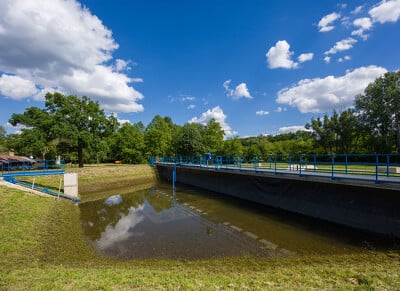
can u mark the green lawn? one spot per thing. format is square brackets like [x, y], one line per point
[42, 248]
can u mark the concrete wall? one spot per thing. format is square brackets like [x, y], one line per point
[359, 205]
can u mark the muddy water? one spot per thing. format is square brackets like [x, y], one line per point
[190, 223]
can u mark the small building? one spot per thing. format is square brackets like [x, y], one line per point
[12, 162]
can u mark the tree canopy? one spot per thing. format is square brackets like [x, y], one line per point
[78, 130]
[379, 113]
[78, 121]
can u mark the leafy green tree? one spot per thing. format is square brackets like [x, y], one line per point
[33, 138]
[232, 147]
[190, 140]
[348, 132]
[158, 137]
[127, 144]
[325, 133]
[213, 137]
[78, 120]
[378, 110]
[3, 136]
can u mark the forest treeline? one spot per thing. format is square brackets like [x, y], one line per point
[78, 130]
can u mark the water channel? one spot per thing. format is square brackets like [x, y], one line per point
[189, 223]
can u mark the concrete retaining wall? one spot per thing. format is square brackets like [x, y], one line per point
[358, 205]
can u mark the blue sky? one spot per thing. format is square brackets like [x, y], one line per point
[257, 67]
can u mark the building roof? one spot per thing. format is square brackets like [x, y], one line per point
[11, 159]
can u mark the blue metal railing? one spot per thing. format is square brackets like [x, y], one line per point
[379, 168]
[41, 189]
[28, 168]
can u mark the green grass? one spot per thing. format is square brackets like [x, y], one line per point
[42, 248]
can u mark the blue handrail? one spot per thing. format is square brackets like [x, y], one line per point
[379, 168]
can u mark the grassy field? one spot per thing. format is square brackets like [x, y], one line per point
[42, 247]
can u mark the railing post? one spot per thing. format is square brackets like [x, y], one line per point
[290, 162]
[387, 165]
[315, 163]
[300, 162]
[346, 165]
[333, 166]
[174, 176]
[376, 168]
[275, 165]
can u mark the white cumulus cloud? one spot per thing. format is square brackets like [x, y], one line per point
[305, 57]
[240, 91]
[362, 25]
[280, 109]
[343, 45]
[294, 128]
[262, 112]
[280, 56]
[325, 94]
[61, 45]
[325, 24]
[357, 10]
[345, 58]
[386, 11]
[16, 87]
[218, 114]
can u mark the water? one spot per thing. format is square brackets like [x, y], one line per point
[194, 224]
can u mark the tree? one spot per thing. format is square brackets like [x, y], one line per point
[379, 112]
[78, 120]
[190, 140]
[158, 137]
[335, 134]
[233, 147]
[127, 144]
[3, 134]
[348, 132]
[213, 137]
[35, 134]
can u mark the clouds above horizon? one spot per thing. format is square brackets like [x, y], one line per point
[262, 112]
[240, 91]
[280, 56]
[361, 26]
[60, 45]
[325, 94]
[293, 128]
[218, 114]
[343, 45]
[325, 24]
[386, 11]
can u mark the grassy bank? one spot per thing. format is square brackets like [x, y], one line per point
[41, 247]
[94, 181]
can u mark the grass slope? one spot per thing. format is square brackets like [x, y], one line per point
[42, 247]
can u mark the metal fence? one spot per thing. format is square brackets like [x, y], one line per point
[377, 167]
[14, 167]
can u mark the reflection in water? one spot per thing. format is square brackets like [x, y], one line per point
[192, 224]
[113, 234]
[113, 200]
[151, 224]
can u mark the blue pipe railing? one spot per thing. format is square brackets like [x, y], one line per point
[12, 167]
[41, 189]
[378, 167]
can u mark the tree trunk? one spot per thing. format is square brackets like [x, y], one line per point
[80, 155]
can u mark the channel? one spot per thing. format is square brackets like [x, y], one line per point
[190, 223]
